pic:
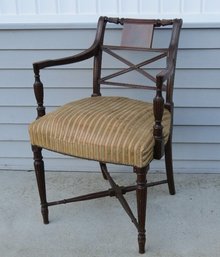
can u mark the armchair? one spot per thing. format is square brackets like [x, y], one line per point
[114, 129]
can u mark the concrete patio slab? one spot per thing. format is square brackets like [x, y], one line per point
[184, 225]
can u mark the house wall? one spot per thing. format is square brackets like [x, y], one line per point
[87, 10]
[196, 139]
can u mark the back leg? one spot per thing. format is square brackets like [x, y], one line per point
[169, 166]
[103, 167]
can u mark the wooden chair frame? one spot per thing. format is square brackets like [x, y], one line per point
[164, 82]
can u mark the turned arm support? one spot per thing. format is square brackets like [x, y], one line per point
[39, 95]
[158, 108]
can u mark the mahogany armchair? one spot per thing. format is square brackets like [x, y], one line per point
[114, 129]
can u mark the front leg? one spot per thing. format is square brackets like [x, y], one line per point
[141, 193]
[40, 176]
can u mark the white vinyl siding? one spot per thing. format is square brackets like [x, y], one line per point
[88, 10]
[37, 29]
[196, 138]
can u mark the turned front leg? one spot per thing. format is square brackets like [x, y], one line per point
[141, 193]
[40, 176]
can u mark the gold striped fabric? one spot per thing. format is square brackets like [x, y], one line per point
[108, 129]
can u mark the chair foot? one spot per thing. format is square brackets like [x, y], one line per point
[45, 214]
[40, 176]
[169, 167]
[141, 242]
[141, 193]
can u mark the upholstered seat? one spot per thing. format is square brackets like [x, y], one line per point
[107, 129]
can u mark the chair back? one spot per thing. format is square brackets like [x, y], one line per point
[140, 38]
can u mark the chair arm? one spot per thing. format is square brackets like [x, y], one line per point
[88, 53]
[164, 75]
[38, 85]
[93, 51]
[37, 66]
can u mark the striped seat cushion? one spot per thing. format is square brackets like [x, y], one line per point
[108, 129]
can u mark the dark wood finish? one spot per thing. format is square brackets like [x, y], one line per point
[158, 115]
[141, 193]
[169, 167]
[110, 192]
[119, 194]
[40, 176]
[39, 94]
[132, 67]
[103, 168]
[162, 82]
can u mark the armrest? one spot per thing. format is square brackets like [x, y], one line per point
[38, 85]
[88, 53]
[164, 75]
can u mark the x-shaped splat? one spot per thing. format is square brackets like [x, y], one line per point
[132, 66]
